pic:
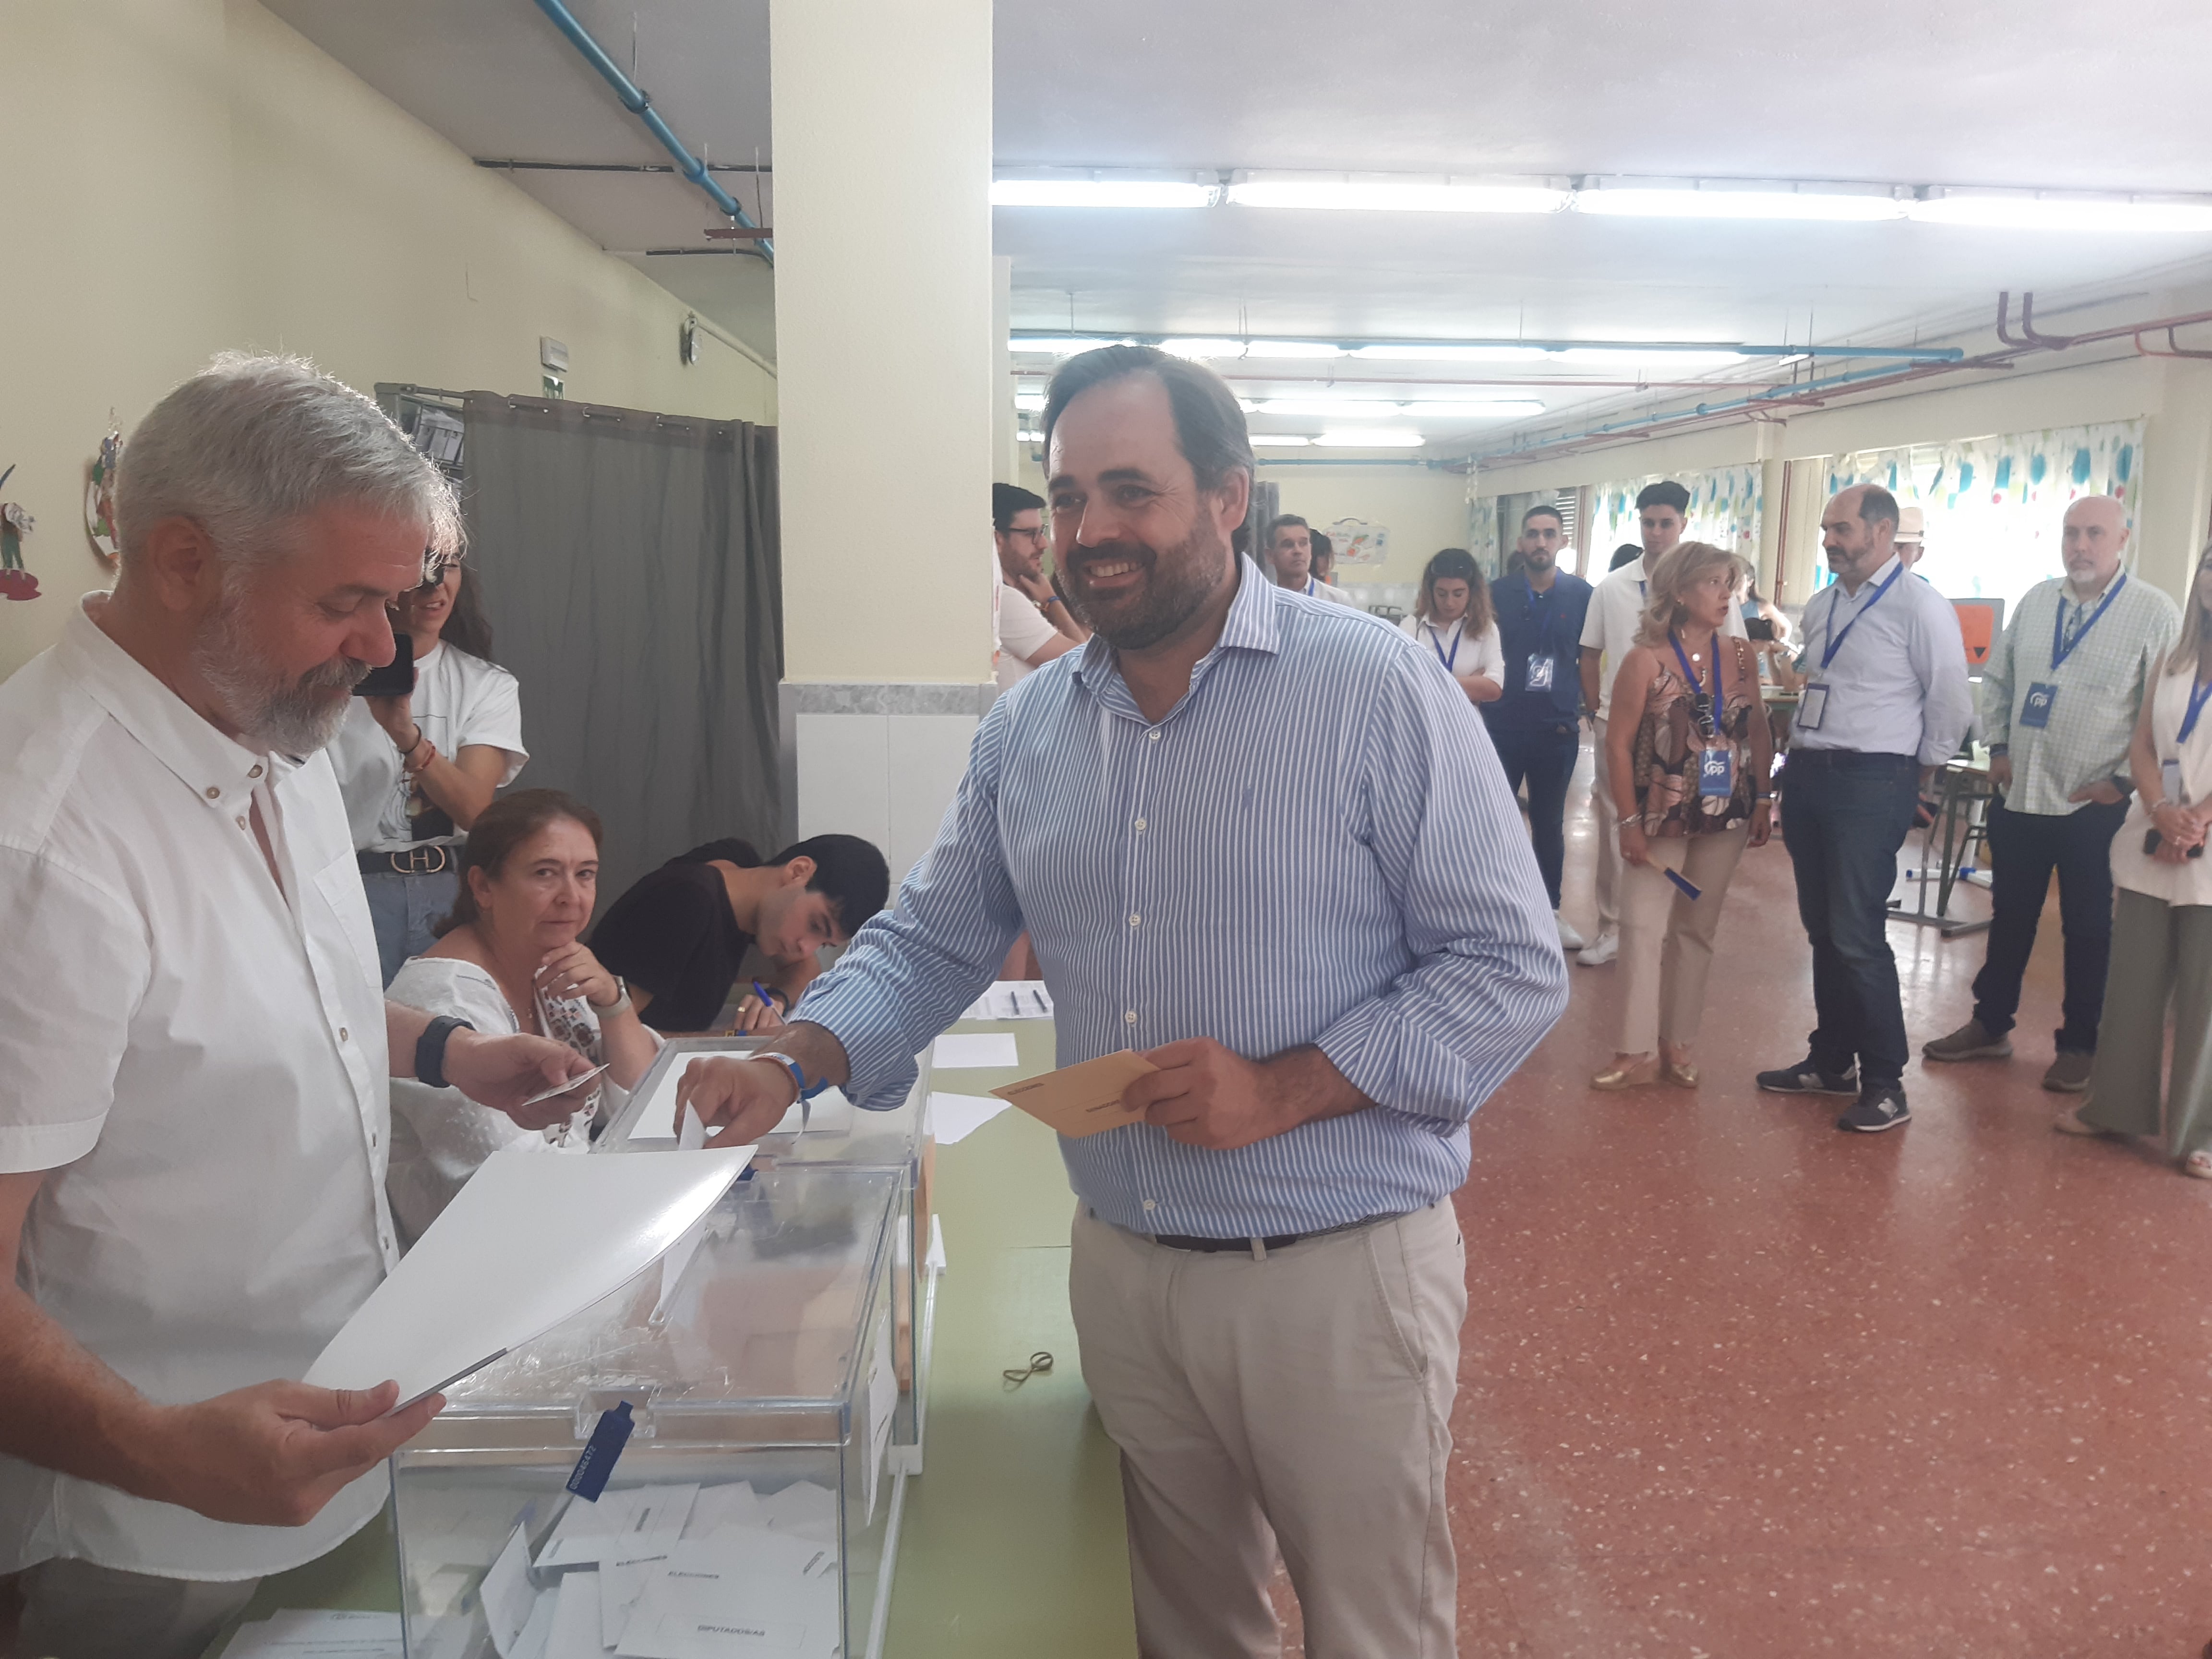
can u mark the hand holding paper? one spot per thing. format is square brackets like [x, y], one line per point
[1082, 1100]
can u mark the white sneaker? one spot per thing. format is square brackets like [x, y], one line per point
[1569, 938]
[1596, 955]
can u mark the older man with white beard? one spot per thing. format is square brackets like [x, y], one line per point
[193, 1048]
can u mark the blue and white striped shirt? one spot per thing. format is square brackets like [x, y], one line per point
[1315, 846]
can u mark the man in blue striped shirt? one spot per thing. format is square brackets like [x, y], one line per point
[1263, 839]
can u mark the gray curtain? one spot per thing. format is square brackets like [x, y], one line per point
[629, 564]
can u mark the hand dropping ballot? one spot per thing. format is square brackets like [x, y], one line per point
[1081, 1100]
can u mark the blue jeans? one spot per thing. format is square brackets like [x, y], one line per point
[1844, 815]
[404, 910]
[1545, 756]
[2025, 848]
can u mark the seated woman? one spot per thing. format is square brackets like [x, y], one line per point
[2162, 961]
[717, 918]
[1694, 763]
[1454, 617]
[508, 960]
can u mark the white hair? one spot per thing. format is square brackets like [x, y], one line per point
[251, 443]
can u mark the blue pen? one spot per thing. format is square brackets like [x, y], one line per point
[761, 991]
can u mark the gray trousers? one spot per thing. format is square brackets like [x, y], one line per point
[2161, 962]
[74, 1610]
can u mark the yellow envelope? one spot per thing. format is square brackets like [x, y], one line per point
[1081, 1100]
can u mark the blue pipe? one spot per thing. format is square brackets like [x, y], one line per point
[642, 106]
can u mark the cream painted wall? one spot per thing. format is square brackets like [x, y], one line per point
[1423, 509]
[186, 176]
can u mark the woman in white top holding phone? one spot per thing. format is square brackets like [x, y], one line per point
[1454, 618]
[2163, 914]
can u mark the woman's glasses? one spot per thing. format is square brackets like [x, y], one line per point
[435, 567]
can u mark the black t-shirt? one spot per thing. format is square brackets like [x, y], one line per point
[673, 934]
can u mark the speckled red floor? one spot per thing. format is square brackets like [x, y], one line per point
[1735, 1384]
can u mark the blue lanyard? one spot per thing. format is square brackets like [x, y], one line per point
[1551, 616]
[1828, 654]
[1436, 642]
[2063, 648]
[2198, 694]
[1690, 674]
[1311, 581]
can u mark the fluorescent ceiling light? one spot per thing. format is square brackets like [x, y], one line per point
[1100, 193]
[1370, 438]
[1059, 345]
[1029, 400]
[1450, 353]
[1640, 203]
[1673, 356]
[1279, 441]
[1204, 348]
[2025, 212]
[1486, 410]
[1392, 197]
[1293, 349]
[1031, 437]
[1330, 408]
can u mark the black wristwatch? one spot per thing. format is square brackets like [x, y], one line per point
[430, 1050]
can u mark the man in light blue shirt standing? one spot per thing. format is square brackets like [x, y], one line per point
[1885, 702]
[1263, 840]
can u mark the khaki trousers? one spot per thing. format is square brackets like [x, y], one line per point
[1609, 839]
[2162, 962]
[1666, 941]
[1302, 1401]
[75, 1610]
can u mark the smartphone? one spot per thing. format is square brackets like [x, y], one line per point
[2153, 840]
[396, 678]
[1759, 629]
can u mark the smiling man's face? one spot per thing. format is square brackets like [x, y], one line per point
[1141, 548]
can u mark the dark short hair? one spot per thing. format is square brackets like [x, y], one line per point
[1209, 423]
[1877, 506]
[1283, 521]
[1547, 510]
[851, 871]
[498, 829]
[1665, 492]
[1006, 500]
[1627, 553]
[1323, 547]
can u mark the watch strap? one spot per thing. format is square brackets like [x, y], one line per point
[430, 1049]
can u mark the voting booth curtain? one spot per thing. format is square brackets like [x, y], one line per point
[629, 563]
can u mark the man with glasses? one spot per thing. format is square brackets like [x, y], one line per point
[1029, 623]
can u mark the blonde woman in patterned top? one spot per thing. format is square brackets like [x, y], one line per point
[508, 959]
[1692, 769]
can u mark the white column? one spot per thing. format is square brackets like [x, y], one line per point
[885, 390]
[1005, 422]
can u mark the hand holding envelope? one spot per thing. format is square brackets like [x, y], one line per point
[1082, 1100]
[1199, 1091]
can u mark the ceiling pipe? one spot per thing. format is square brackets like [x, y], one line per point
[2174, 348]
[1656, 347]
[642, 106]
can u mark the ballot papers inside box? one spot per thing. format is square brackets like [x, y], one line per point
[831, 1131]
[749, 1511]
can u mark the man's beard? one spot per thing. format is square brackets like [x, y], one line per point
[1177, 585]
[287, 716]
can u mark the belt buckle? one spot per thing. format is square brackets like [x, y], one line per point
[424, 860]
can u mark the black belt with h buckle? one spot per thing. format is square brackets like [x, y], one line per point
[429, 859]
[1282, 1241]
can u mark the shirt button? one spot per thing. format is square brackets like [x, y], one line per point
[214, 794]
[1140, 826]
[241, 822]
[1129, 1018]
[1133, 921]
[343, 1035]
[255, 773]
[1150, 1206]
[1154, 734]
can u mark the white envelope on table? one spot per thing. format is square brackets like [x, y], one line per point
[527, 1243]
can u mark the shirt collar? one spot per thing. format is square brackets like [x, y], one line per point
[1866, 587]
[218, 771]
[1251, 625]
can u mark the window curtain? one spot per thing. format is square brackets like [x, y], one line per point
[629, 565]
[1994, 506]
[1726, 506]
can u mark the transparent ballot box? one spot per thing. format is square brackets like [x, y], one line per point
[830, 1132]
[751, 1510]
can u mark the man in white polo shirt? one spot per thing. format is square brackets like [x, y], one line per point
[193, 1048]
[1616, 610]
[1029, 623]
[1290, 560]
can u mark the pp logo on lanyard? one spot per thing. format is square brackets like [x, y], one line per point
[1715, 773]
[1539, 672]
[2035, 708]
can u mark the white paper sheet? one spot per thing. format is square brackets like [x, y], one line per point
[827, 1112]
[300, 1633]
[1012, 998]
[733, 1504]
[803, 1510]
[953, 1118]
[575, 1632]
[507, 1261]
[508, 1595]
[740, 1592]
[883, 1406]
[630, 1520]
[967, 1050]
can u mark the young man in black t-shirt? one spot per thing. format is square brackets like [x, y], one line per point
[718, 917]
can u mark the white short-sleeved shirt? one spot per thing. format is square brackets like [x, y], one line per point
[1315, 588]
[460, 700]
[439, 1136]
[1616, 612]
[2190, 881]
[1019, 631]
[1457, 652]
[197, 1059]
